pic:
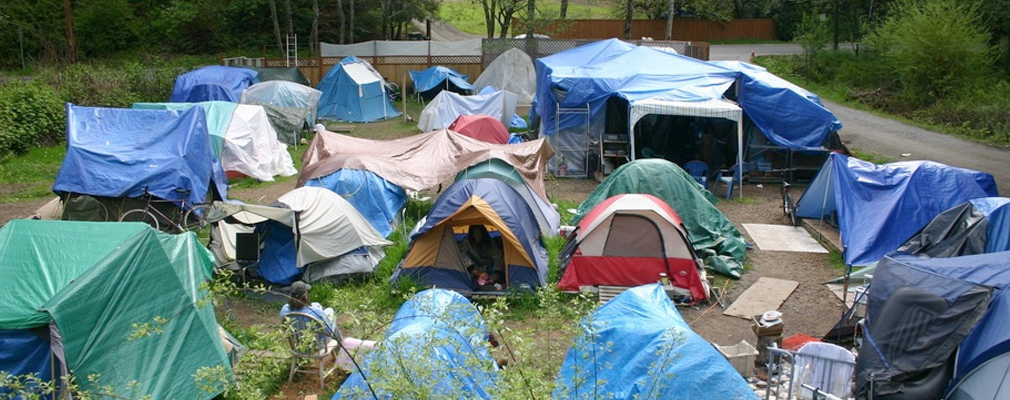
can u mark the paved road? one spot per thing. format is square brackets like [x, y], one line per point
[742, 52]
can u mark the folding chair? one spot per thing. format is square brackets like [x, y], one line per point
[310, 340]
[730, 178]
[698, 171]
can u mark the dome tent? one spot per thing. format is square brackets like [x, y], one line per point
[353, 91]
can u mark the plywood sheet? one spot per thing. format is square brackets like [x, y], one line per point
[783, 238]
[764, 295]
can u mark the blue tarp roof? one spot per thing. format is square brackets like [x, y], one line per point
[212, 83]
[378, 200]
[787, 114]
[117, 152]
[434, 77]
[442, 339]
[880, 206]
[346, 99]
[638, 346]
[996, 211]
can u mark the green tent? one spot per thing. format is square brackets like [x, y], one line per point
[290, 74]
[101, 284]
[712, 235]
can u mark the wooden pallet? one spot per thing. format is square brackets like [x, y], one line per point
[608, 292]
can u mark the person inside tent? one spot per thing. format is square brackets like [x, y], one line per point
[482, 257]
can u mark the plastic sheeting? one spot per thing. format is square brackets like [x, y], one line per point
[547, 217]
[429, 82]
[218, 118]
[638, 346]
[212, 83]
[292, 98]
[353, 91]
[976, 227]
[880, 206]
[26, 352]
[513, 71]
[377, 199]
[441, 112]
[289, 74]
[382, 48]
[442, 338]
[421, 161]
[122, 152]
[481, 127]
[712, 235]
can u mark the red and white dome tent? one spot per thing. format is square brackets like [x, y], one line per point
[629, 240]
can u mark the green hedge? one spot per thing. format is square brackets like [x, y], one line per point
[31, 115]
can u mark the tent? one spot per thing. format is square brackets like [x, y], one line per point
[421, 161]
[290, 106]
[212, 83]
[513, 71]
[878, 207]
[628, 240]
[434, 257]
[442, 338]
[377, 199]
[441, 112]
[432, 81]
[353, 91]
[481, 127]
[977, 226]
[125, 153]
[547, 217]
[289, 74]
[308, 231]
[241, 136]
[712, 235]
[637, 346]
[74, 294]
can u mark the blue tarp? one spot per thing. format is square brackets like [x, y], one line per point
[212, 83]
[120, 152]
[430, 81]
[354, 92]
[442, 339]
[278, 263]
[996, 211]
[880, 206]
[787, 114]
[378, 200]
[218, 117]
[638, 346]
[24, 352]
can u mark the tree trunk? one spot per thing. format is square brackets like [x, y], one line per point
[627, 21]
[669, 19]
[350, 30]
[314, 36]
[340, 19]
[384, 12]
[277, 26]
[531, 11]
[287, 10]
[489, 16]
[564, 9]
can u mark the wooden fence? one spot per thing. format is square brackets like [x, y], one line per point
[687, 29]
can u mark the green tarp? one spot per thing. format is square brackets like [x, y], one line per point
[712, 235]
[290, 74]
[218, 117]
[103, 283]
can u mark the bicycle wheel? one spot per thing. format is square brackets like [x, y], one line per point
[141, 215]
[195, 220]
[791, 207]
[786, 199]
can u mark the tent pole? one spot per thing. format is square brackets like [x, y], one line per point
[631, 136]
[739, 152]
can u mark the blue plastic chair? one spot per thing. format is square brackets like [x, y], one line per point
[699, 171]
[729, 177]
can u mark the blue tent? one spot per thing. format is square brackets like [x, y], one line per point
[378, 200]
[116, 152]
[430, 81]
[353, 91]
[880, 206]
[212, 83]
[441, 339]
[638, 346]
[434, 259]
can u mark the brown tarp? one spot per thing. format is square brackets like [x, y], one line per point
[421, 161]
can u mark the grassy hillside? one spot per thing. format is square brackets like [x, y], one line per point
[469, 17]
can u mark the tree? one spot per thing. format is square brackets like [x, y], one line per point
[564, 9]
[277, 26]
[669, 19]
[498, 14]
[340, 16]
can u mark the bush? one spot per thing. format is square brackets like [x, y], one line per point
[30, 115]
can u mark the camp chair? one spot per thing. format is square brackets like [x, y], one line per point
[729, 177]
[823, 368]
[310, 340]
[698, 171]
[247, 252]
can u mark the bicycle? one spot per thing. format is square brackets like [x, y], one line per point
[788, 204]
[180, 215]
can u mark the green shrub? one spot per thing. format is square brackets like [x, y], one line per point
[30, 115]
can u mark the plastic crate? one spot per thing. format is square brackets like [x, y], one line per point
[741, 356]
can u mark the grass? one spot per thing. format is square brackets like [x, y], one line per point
[469, 17]
[30, 176]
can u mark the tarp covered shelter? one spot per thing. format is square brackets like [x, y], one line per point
[308, 230]
[713, 236]
[421, 161]
[430, 82]
[637, 346]
[434, 257]
[977, 226]
[441, 112]
[289, 74]
[512, 71]
[241, 136]
[353, 91]
[212, 83]
[878, 207]
[93, 284]
[628, 240]
[547, 217]
[481, 127]
[442, 337]
[115, 152]
[290, 106]
[378, 200]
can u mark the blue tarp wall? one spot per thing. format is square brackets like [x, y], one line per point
[344, 99]
[880, 206]
[119, 152]
[996, 211]
[25, 352]
[442, 339]
[434, 79]
[378, 200]
[212, 83]
[638, 346]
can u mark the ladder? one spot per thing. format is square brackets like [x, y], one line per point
[291, 51]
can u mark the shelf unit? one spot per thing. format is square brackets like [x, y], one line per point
[616, 148]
